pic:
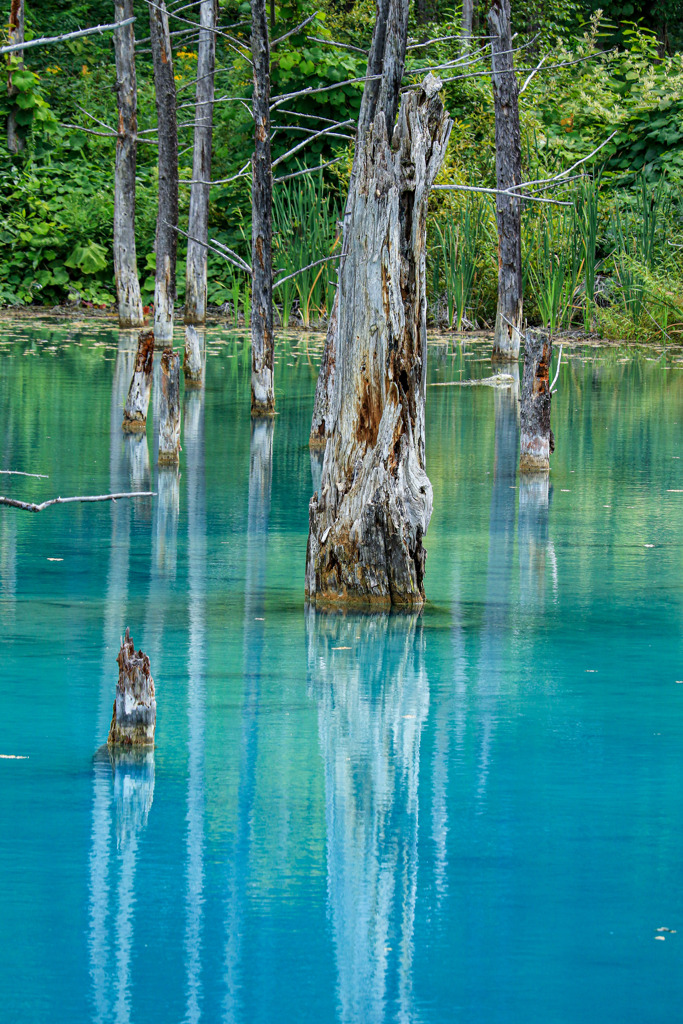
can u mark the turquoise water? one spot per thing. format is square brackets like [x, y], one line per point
[475, 813]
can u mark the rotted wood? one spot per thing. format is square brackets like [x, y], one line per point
[169, 408]
[507, 334]
[536, 438]
[135, 708]
[197, 252]
[262, 343]
[375, 501]
[137, 403]
[167, 215]
[125, 257]
[193, 361]
[15, 141]
[386, 64]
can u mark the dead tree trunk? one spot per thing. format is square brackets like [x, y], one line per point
[262, 391]
[169, 409]
[195, 276]
[386, 59]
[536, 440]
[15, 141]
[193, 361]
[167, 215]
[125, 260]
[135, 708]
[137, 403]
[375, 501]
[508, 328]
[466, 24]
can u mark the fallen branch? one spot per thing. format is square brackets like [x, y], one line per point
[46, 40]
[19, 472]
[29, 506]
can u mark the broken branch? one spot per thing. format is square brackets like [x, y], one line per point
[29, 506]
[46, 40]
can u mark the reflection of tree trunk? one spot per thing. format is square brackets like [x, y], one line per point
[372, 707]
[193, 446]
[166, 242]
[125, 258]
[532, 537]
[8, 570]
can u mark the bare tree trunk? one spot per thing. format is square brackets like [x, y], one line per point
[125, 260]
[466, 29]
[262, 390]
[167, 216]
[15, 141]
[137, 403]
[169, 408]
[193, 360]
[375, 501]
[536, 441]
[135, 708]
[508, 329]
[195, 278]
[386, 58]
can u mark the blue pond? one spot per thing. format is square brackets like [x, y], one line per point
[475, 813]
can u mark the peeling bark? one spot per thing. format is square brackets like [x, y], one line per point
[125, 258]
[536, 441]
[195, 276]
[507, 335]
[375, 500]
[167, 216]
[135, 708]
[137, 403]
[193, 359]
[386, 58]
[262, 389]
[169, 408]
[15, 141]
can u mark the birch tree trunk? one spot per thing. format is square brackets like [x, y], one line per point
[167, 215]
[386, 59]
[15, 141]
[375, 500]
[262, 391]
[195, 277]
[466, 29]
[125, 259]
[508, 328]
[536, 441]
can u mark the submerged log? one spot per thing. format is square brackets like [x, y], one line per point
[135, 708]
[137, 403]
[375, 499]
[169, 408]
[192, 358]
[536, 440]
[507, 335]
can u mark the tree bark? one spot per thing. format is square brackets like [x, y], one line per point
[386, 58]
[375, 501]
[193, 360]
[135, 708]
[466, 29]
[15, 141]
[508, 328]
[125, 260]
[536, 441]
[167, 216]
[169, 408]
[195, 277]
[137, 403]
[262, 390]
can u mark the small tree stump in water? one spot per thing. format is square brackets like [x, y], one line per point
[137, 403]
[135, 708]
[169, 408]
[192, 360]
[536, 440]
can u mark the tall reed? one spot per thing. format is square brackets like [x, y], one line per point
[461, 240]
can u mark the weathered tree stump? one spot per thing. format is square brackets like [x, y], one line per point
[137, 403]
[169, 408]
[375, 500]
[507, 335]
[135, 708]
[536, 439]
[192, 359]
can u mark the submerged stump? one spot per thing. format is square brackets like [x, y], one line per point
[169, 408]
[137, 403]
[536, 439]
[135, 708]
[192, 359]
